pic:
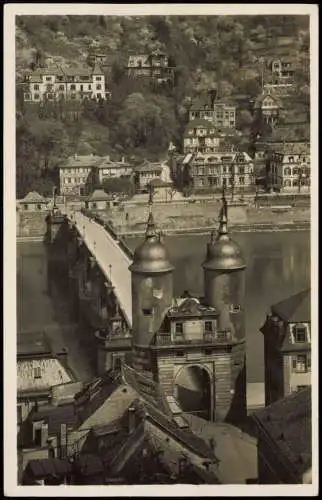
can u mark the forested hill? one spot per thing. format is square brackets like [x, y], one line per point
[222, 52]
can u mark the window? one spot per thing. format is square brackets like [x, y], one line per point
[61, 87]
[73, 96]
[59, 78]
[36, 86]
[98, 78]
[241, 180]
[241, 170]
[208, 352]
[37, 372]
[287, 171]
[179, 353]
[99, 96]
[48, 78]
[208, 326]
[73, 87]
[36, 97]
[234, 308]
[25, 207]
[50, 96]
[27, 97]
[99, 87]
[300, 334]
[147, 312]
[179, 328]
[301, 363]
[38, 437]
[291, 159]
[39, 206]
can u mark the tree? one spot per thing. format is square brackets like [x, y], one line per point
[119, 185]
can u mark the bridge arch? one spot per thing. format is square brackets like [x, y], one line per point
[194, 390]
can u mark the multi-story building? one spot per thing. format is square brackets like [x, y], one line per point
[60, 82]
[76, 174]
[284, 440]
[224, 114]
[282, 70]
[154, 66]
[221, 113]
[222, 169]
[107, 168]
[287, 347]
[200, 136]
[145, 173]
[268, 106]
[38, 370]
[289, 168]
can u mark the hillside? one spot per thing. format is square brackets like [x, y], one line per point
[207, 52]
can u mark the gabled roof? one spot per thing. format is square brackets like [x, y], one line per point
[33, 197]
[287, 423]
[98, 195]
[200, 123]
[296, 308]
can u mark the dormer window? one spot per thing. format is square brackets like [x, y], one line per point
[179, 328]
[37, 372]
[147, 311]
[300, 335]
[234, 308]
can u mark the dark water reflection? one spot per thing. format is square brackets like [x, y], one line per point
[278, 265]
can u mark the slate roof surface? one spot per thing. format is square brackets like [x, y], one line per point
[52, 373]
[295, 309]
[45, 467]
[287, 422]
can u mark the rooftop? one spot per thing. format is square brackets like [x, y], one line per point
[77, 161]
[296, 308]
[191, 307]
[287, 423]
[33, 197]
[98, 195]
[30, 344]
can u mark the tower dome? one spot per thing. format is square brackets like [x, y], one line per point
[222, 252]
[151, 256]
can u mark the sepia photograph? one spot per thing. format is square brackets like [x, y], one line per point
[160, 330]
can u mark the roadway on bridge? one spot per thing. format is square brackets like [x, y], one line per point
[107, 252]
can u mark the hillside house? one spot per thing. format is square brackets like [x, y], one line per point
[76, 174]
[200, 136]
[56, 83]
[154, 66]
[289, 168]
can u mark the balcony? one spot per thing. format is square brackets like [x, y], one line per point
[116, 341]
[220, 336]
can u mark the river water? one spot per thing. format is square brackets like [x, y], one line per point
[278, 265]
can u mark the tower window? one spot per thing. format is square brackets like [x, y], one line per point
[234, 308]
[179, 328]
[147, 312]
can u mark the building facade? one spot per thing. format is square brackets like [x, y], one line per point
[145, 173]
[233, 170]
[284, 440]
[154, 66]
[221, 113]
[224, 114]
[289, 168]
[287, 347]
[107, 169]
[200, 136]
[268, 107]
[76, 174]
[62, 83]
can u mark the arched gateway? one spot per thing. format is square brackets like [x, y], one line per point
[194, 392]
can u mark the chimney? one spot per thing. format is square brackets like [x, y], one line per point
[63, 355]
[131, 419]
[123, 159]
[75, 156]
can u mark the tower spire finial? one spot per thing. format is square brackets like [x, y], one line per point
[150, 229]
[223, 229]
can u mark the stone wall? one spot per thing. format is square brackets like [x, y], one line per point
[30, 224]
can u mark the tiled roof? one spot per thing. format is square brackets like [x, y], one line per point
[296, 308]
[287, 422]
[200, 122]
[52, 373]
[99, 194]
[45, 467]
[77, 161]
[33, 197]
[148, 167]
